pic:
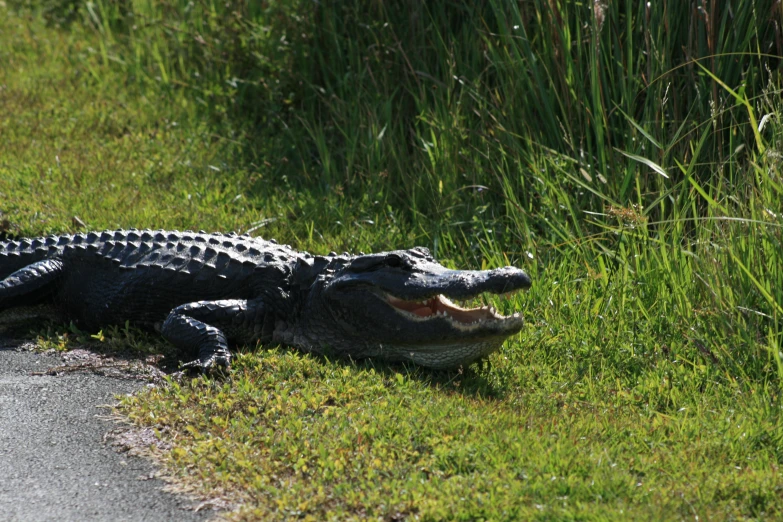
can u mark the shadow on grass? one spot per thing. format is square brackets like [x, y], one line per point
[42, 327]
[467, 381]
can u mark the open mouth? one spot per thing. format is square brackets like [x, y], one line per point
[441, 306]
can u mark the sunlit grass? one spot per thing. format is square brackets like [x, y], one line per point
[296, 436]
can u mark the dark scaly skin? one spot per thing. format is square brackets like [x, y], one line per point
[205, 291]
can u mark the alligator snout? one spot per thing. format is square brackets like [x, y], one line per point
[464, 284]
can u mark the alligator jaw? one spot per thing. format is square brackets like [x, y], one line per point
[440, 306]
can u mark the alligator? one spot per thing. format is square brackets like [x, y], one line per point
[202, 291]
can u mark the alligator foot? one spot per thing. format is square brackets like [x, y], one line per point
[193, 335]
[203, 327]
[216, 363]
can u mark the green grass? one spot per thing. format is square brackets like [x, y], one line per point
[646, 384]
[292, 435]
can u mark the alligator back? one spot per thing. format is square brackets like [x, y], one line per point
[140, 275]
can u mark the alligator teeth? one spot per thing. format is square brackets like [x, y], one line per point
[441, 306]
[446, 301]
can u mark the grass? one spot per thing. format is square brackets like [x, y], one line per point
[633, 182]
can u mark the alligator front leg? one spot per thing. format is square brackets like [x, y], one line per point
[29, 285]
[205, 327]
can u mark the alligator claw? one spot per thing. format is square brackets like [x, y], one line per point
[211, 365]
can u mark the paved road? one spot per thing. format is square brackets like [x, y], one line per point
[54, 464]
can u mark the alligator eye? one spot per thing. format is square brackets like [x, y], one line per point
[366, 263]
[393, 260]
[397, 261]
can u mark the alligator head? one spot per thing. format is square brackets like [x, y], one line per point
[398, 306]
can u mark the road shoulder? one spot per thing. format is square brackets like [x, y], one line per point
[54, 460]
